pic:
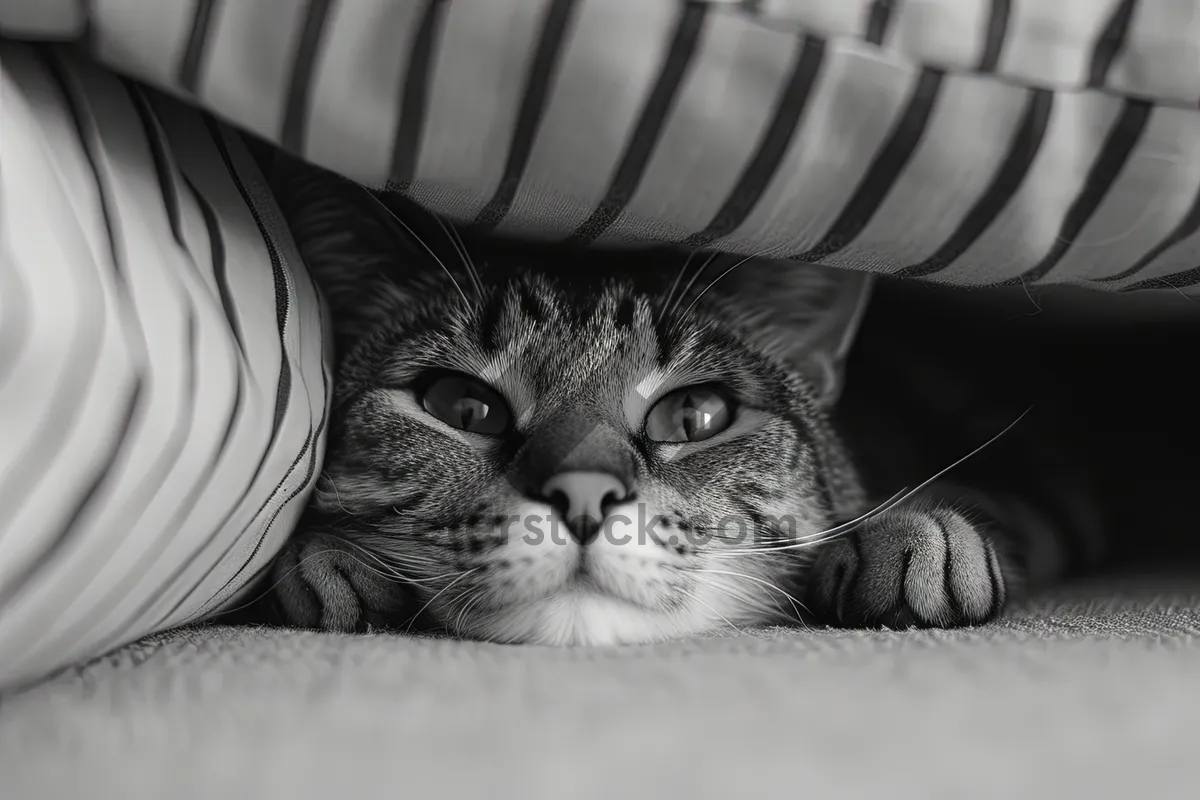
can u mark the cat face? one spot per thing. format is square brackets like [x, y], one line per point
[552, 454]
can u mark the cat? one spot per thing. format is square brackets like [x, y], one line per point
[590, 448]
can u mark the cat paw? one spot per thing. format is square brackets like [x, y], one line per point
[927, 568]
[320, 583]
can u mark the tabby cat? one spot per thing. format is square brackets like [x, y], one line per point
[529, 445]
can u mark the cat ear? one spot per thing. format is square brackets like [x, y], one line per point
[350, 242]
[803, 314]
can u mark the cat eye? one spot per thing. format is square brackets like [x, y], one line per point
[468, 404]
[689, 415]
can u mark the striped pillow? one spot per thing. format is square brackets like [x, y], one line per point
[968, 141]
[163, 377]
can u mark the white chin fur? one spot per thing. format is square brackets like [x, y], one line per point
[617, 604]
[579, 617]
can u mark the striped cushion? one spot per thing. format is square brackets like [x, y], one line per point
[969, 141]
[162, 369]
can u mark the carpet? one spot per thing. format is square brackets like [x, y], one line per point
[1089, 691]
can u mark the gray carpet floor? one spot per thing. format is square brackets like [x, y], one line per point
[1089, 692]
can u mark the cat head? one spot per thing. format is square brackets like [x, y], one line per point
[580, 448]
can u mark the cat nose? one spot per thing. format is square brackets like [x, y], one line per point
[582, 499]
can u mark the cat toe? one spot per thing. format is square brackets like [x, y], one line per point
[313, 587]
[909, 568]
[320, 584]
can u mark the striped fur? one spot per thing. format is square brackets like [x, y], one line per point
[412, 520]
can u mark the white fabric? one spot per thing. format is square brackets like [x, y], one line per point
[159, 433]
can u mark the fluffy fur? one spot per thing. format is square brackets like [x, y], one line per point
[417, 523]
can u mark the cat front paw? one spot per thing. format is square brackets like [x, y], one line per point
[911, 567]
[320, 582]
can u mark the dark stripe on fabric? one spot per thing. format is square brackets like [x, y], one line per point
[295, 117]
[173, 449]
[180, 516]
[63, 408]
[284, 389]
[885, 169]
[310, 441]
[312, 436]
[684, 43]
[169, 459]
[994, 36]
[65, 403]
[193, 54]
[1110, 43]
[878, 19]
[163, 168]
[216, 245]
[415, 99]
[764, 164]
[1187, 227]
[101, 477]
[542, 73]
[1122, 138]
[1022, 151]
[310, 447]
[88, 135]
[1177, 280]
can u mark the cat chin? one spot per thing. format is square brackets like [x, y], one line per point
[585, 618]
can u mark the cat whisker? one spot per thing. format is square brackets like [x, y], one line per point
[674, 285]
[796, 604]
[287, 574]
[461, 616]
[433, 599]
[827, 535]
[811, 538]
[394, 571]
[421, 242]
[402, 563]
[792, 549]
[385, 570]
[460, 248]
[397, 511]
[691, 283]
[895, 500]
[381, 537]
[692, 596]
[400, 576]
[740, 595]
[337, 496]
[703, 292]
[403, 559]
[267, 591]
